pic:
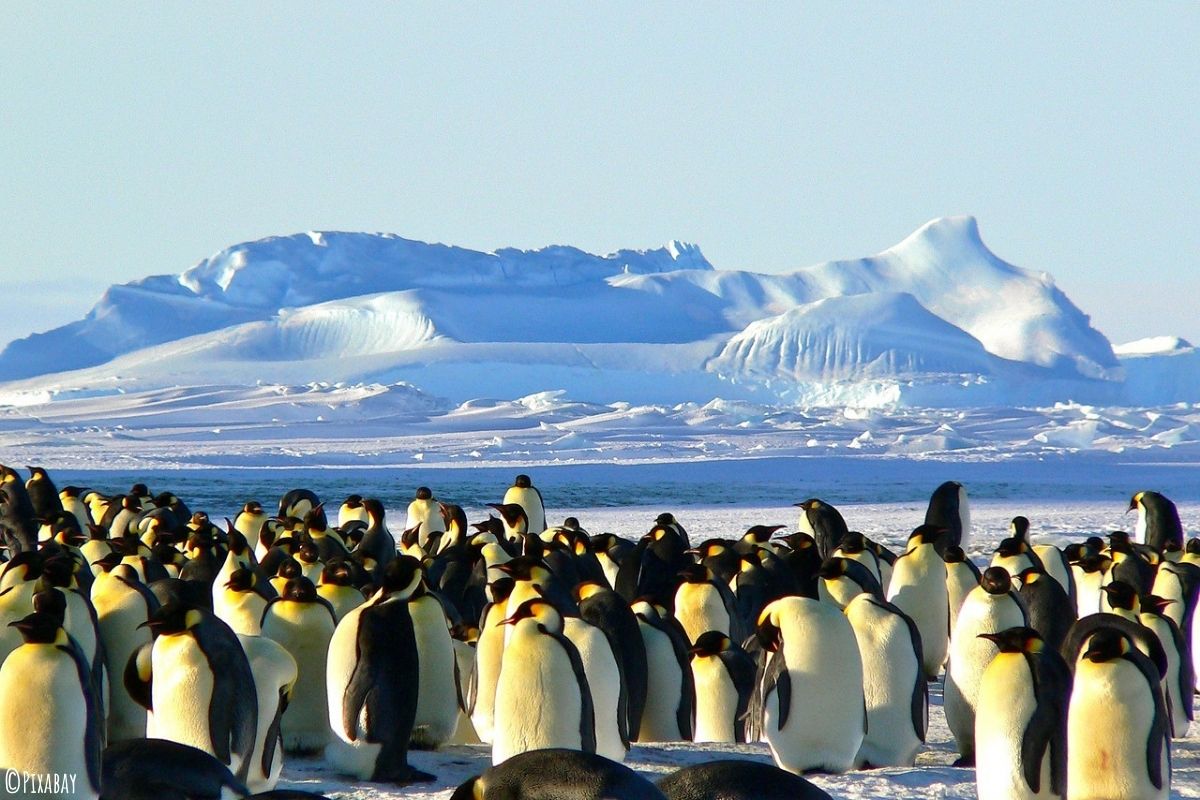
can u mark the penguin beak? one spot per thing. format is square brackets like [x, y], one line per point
[769, 636]
[991, 637]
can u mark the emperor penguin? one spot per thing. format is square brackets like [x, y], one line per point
[1051, 612]
[1021, 719]
[1118, 741]
[371, 680]
[738, 779]
[526, 495]
[50, 722]
[543, 698]
[854, 547]
[123, 605]
[241, 601]
[813, 671]
[71, 498]
[559, 774]
[950, 510]
[608, 611]
[43, 494]
[296, 503]
[1157, 522]
[18, 583]
[198, 685]
[824, 523]
[961, 577]
[918, 588]
[1090, 573]
[336, 586]
[723, 675]
[610, 697]
[250, 521]
[894, 686]
[377, 547]
[514, 520]
[1015, 555]
[274, 672]
[1179, 682]
[302, 622]
[993, 606]
[669, 712]
[842, 580]
[80, 620]
[437, 705]
[424, 510]
[489, 652]
[703, 603]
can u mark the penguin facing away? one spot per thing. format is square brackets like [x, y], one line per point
[950, 509]
[669, 711]
[371, 678]
[66, 719]
[824, 523]
[918, 588]
[1158, 520]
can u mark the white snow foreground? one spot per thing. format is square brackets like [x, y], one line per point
[938, 320]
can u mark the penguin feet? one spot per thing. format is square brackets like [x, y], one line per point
[402, 776]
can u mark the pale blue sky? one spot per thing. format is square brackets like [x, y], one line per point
[138, 139]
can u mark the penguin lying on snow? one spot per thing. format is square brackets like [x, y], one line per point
[730, 779]
[157, 769]
[556, 774]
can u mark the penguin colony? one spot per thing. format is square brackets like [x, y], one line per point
[177, 657]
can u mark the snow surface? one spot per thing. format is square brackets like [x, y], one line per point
[937, 320]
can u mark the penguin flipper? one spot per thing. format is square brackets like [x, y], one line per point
[138, 679]
[920, 695]
[274, 734]
[232, 719]
[93, 736]
[686, 712]
[774, 678]
[1160, 725]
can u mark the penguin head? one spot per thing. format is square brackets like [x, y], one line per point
[288, 569]
[768, 631]
[315, 519]
[337, 573]
[522, 482]
[1135, 501]
[237, 542]
[1153, 604]
[926, 534]
[954, 555]
[711, 643]
[173, 618]
[1094, 563]
[586, 589]
[853, 543]
[760, 534]
[1094, 544]
[300, 590]
[41, 627]
[749, 561]
[36, 474]
[139, 490]
[1121, 595]
[513, 515]
[1012, 547]
[353, 501]
[58, 572]
[1019, 528]
[996, 580]
[539, 609]
[1016, 640]
[664, 519]
[525, 568]
[695, 573]
[401, 577]
[253, 508]
[799, 542]
[424, 493]
[52, 602]
[1106, 644]
[572, 524]
[643, 608]
[109, 562]
[709, 548]
[1193, 546]
[374, 509]
[833, 568]
[1030, 574]
[308, 553]
[499, 589]
[453, 517]
[240, 580]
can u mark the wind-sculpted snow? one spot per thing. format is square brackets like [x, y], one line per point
[936, 320]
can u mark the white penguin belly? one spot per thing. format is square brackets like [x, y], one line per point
[660, 721]
[1005, 705]
[489, 651]
[437, 702]
[699, 609]
[890, 674]
[537, 697]
[304, 630]
[1108, 725]
[716, 701]
[604, 680]
[273, 669]
[46, 736]
[119, 611]
[918, 588]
